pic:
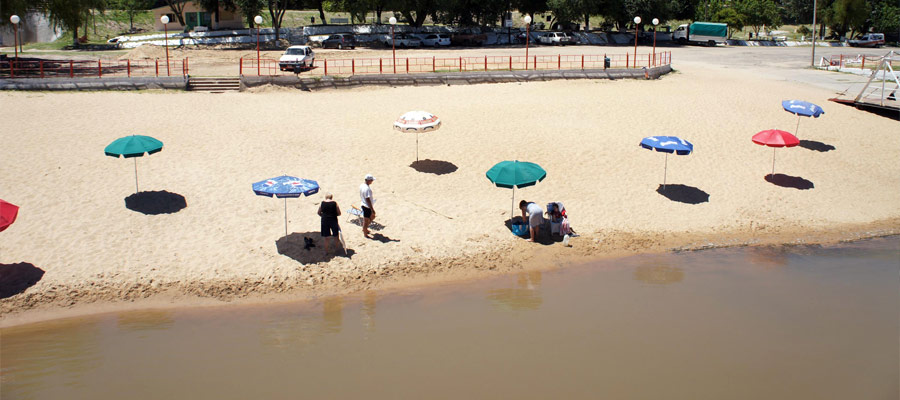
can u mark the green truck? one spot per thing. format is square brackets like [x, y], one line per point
[708, 33]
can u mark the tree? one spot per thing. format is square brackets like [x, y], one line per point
[72, 14]
[131, 8]
[212, 6]
[847, 15]
[276, 11]
[249, 9]
[732, 18]
[759, 13]
[177, 7]
[885, 16]
[530, 7]
[416, 11]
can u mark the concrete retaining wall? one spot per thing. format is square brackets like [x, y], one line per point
[178, 83]
[465, 78]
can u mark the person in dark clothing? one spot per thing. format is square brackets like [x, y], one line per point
[329, 211]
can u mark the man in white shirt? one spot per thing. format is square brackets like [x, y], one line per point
[368, 203]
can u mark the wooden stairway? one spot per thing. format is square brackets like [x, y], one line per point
[214, 85]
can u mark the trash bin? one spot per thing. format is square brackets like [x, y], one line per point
[605, 62]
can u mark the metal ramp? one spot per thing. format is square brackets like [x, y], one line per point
[879, 96]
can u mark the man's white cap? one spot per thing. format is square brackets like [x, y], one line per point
[369, 177]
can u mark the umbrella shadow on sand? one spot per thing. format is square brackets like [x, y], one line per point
[544, 237]
[683, 194]
[155, 202]
[16, 278]
[788, 181]
[295, 247]
[436, 167]
[816, 146]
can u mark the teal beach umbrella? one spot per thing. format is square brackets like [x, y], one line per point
[513, 174]
[133, 146]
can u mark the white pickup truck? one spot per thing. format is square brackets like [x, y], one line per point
[297, 58]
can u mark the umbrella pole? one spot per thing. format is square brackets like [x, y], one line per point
[285, 217]
[417, 146]
[512, 205]
[773, 160]
[797, 130]
[135, 176]
[665, 171]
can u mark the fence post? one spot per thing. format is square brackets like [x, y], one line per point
[326, 67]
[648, 60]
[379, 66]
[841, 65]
[433, 67]
[559, 61]
[42, 69]
[241, 67]
[99, 69]
[353, 66]
[128, 66]
[71, 69]
[407, 65]
[535, 63]
[863, 63]
[157, 68]
[187, 68]
[582, 61]
[626, 60]
[604, 61]
[460, 64]
[485, 63]
[510, 63]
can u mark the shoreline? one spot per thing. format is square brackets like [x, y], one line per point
[100, 297]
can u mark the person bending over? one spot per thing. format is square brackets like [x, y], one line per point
[534, 214]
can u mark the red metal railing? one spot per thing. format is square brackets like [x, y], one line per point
[27, 68]
[856, 61]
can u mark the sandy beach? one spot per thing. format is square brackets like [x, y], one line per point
[228, 245]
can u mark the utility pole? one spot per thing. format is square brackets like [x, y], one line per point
[815, 33]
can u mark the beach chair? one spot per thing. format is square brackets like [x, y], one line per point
[357, 212]
[559, 221]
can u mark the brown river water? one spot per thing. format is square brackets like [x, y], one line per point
[794, 322]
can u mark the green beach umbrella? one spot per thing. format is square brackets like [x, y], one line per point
[513, 174]
[133, 146]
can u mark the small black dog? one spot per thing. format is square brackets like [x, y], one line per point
[309, 243]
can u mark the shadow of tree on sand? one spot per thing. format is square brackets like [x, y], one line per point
[816, 146]
[683, 194]
[155, 202]
[16, 278]
[295, 247]
[434, 167]
[788, 181]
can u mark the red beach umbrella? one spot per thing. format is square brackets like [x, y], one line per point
[775, 138]
[8, 214]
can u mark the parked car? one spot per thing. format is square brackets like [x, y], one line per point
[297, 58]
[468, 37]
[436, 40]
[340, 41]
[557, 38]
[868, 40]
[403, 40]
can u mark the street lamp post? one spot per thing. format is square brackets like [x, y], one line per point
[393, 22]
[637, 22]
[527, 38]
[258, 20]
[165, 21]
[15, 20]
[815, 33]
[655, 23]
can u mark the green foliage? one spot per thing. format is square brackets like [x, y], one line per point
[72, 14]
[249, 9]
[846, 15]
[804, 30]
[759, 13]
[130, 8]
[731, 17]
[470, 12]
[885, 16]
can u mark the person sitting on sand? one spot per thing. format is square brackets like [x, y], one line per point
[329, 211]
[534, 214]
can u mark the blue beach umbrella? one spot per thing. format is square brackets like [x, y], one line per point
[283, 187]
[801, 108]
[667, 144]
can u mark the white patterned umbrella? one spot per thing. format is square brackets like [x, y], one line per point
[415, 122]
